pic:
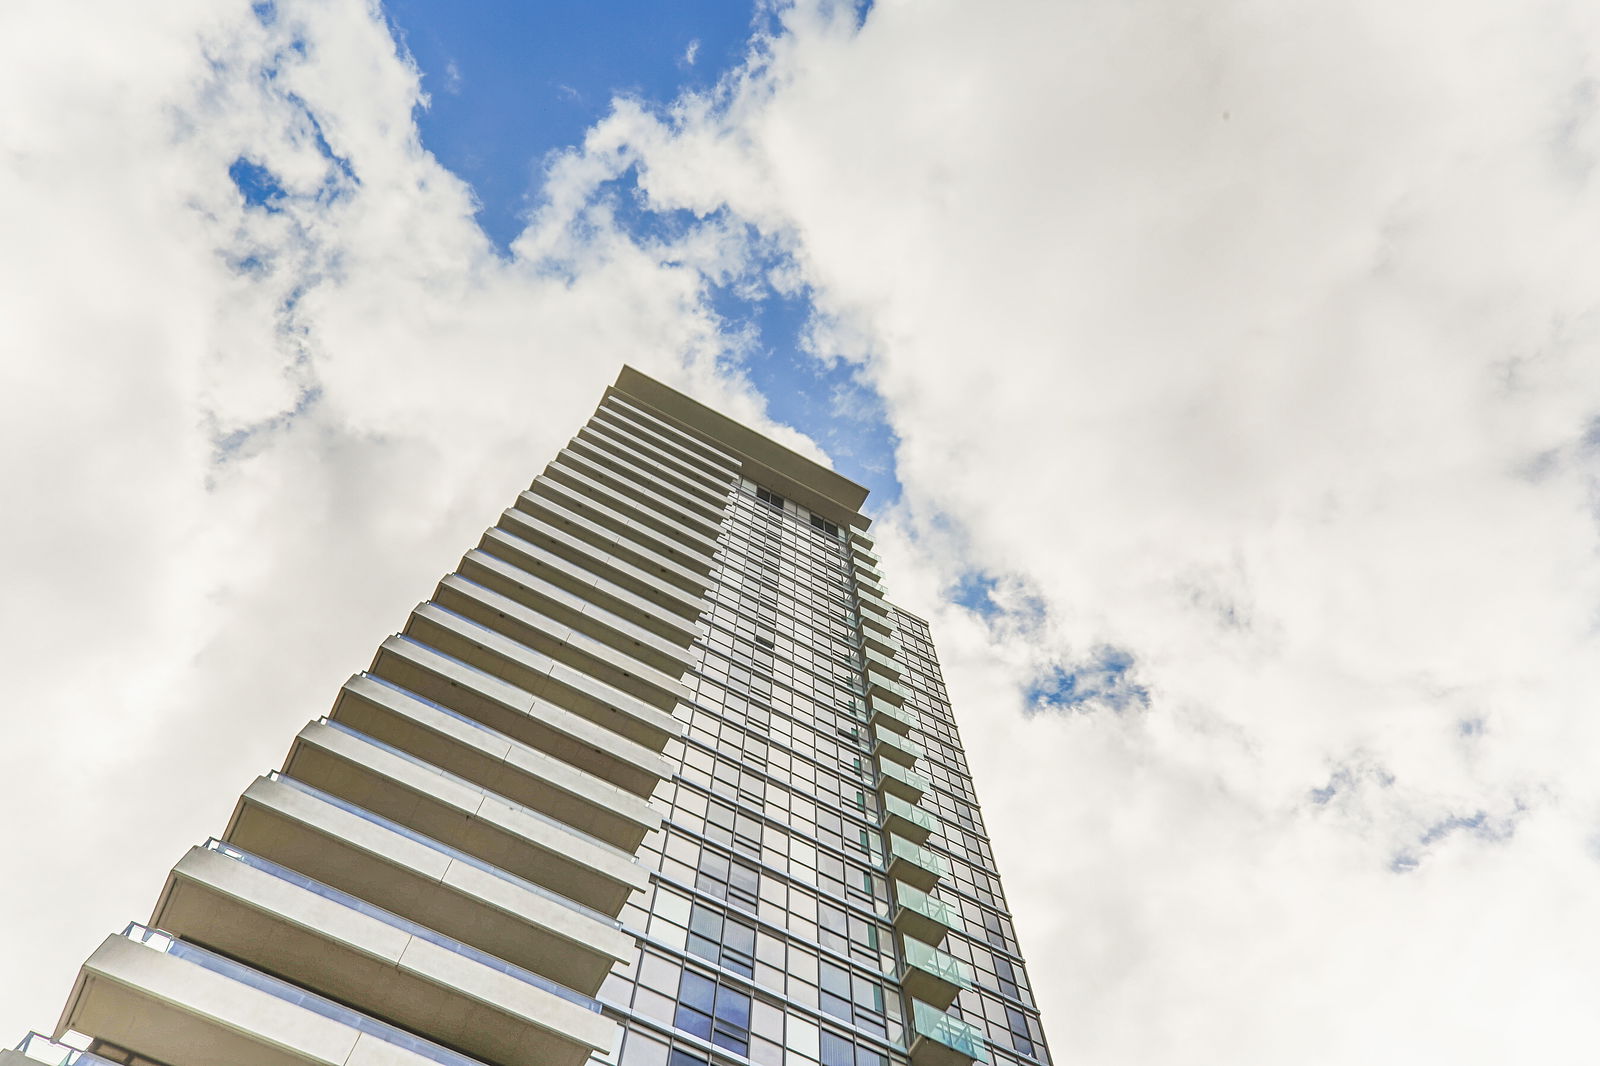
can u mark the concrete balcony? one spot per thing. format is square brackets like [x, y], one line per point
[542, 676]
[662, 594]
[644, 511]
[710, 455]
[626, 518]
[860, 539]
[618, 424]
[602, 429]
[940, 1040]
[642, 486]
[881, 687]
[931, 976]
[391, 866]
[618, 455]
[376, 961]
[503, 707]
[176, 1003]
[896, 780]
[454, 811]
[915, 865]
[895, 748]
[908, 820]
[639, 552]
[881, 643]
[865, 564]
[871, 602]
[507, 767]
[876, 660]
[885, 715]
[920, 916]
[878, 623]
[599, 659]
[606, 611]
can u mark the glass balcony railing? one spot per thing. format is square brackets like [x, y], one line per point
[876, 659]
[899, 743]
[879, 621]
[405, 925]
[884, 645]
[881, 686]
[915, 815]
[906, 777]
[443, 849]
[168, 944]
[917, 855]
[935, 910]
[953, 1033]
[909, 719]
[41, 1048]
[932, 960]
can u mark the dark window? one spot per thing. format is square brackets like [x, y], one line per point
[720, 1015]
[722, 940]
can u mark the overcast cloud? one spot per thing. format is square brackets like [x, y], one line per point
[1245, 354]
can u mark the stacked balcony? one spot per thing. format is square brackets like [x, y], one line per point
[930, 978]
[434, 874]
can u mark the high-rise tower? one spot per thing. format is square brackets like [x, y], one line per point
[658, 777]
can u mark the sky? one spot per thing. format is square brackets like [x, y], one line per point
[1225, 375]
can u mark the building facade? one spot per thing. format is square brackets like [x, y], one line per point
[657, 777]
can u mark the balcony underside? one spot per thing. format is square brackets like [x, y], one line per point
[447, 891]
[374, 966]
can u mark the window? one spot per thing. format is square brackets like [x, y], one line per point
[723, 940]
[770, 497]
[718, 1014]
[737, 882]
[826, 526]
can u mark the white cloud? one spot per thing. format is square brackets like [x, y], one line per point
[240, 444]
[1256, 342]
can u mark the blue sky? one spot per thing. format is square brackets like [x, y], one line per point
[512, 83]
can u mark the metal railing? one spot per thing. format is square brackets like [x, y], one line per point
[279, 989]
[406, 925]
[442, 848]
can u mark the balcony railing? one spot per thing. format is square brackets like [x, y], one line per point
[894, 772]
[899, 715]
[937, 910]
[444, 849]
[881, 662]
[910, 749]
[283, 990]
[953, 1033]
[943, 966]
[886, 687]
[458, 780]
[41, 1048]
[899, 808]
[920, 856]
[406, 925]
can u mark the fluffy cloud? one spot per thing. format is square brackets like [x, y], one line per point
[1243, 354]
[1248, 353]
[243, 438]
